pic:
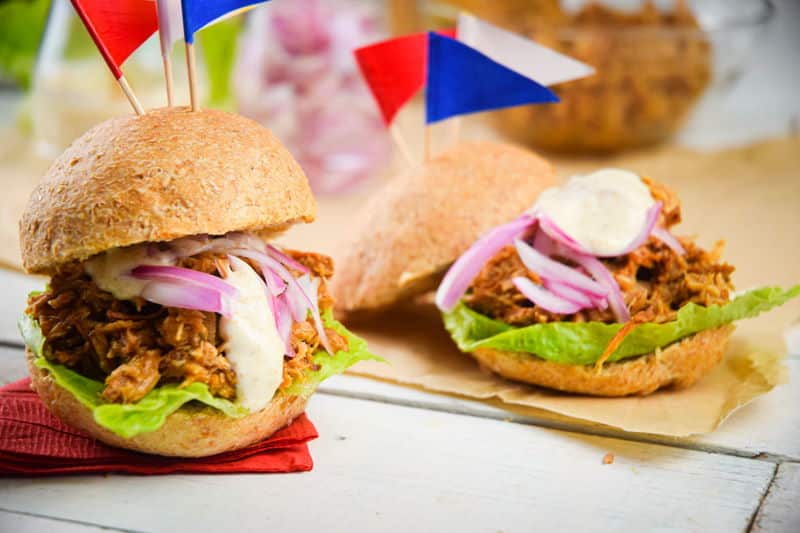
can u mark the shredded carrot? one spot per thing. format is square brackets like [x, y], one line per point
[614, 343]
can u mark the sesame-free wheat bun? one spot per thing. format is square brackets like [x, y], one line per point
[160, 176]
[412, 230]
[191, 431]
[680, 365]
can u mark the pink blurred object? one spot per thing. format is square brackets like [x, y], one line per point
[297, 76]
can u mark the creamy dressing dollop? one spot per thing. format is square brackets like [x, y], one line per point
[111, 270]
[253, 344]
[604, 211]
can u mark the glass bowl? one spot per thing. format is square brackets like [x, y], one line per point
[653, 63]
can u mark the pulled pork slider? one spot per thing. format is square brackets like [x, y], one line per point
[410, 232]
[589, 292]
[170, 324]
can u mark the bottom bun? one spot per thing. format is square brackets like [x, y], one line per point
[680, 365]
[192, 431]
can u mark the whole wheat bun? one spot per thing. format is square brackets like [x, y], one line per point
[412, 230]
[157, 177]
[681, 365]
[192, 431]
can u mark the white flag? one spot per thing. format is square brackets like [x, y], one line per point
[532, 60]
[170, 24]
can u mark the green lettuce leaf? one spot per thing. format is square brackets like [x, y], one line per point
[583, 343]
[149, 413]
[330, 366]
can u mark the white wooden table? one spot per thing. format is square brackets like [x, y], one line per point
[393, 459]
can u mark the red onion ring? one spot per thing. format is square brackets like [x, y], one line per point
[598, 271]
[185, 276]
[296, 295]
[182, 296]
[568, 293]
[544, 298]
[663, 235]
[553, 270]
[286, 260]
[460, 275]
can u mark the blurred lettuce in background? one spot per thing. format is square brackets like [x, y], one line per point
[219, 44]
[22, 24]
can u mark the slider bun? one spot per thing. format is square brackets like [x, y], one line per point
[412, 230]
[192, 431]
[681, 364]
[157, 177]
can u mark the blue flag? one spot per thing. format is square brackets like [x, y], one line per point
[199, 13]
[462, 80]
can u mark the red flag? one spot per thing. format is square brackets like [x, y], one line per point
[395, 70]
[118, 27]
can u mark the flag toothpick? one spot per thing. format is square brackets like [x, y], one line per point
[401, 143]
[427, 143]
[168, 78]
[118, 29]
[191, 66]
[126, 88]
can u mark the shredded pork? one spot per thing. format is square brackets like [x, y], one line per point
[654, 280]
[135, 345]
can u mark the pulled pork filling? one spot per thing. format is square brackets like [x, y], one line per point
[655, 281]
[135, 345]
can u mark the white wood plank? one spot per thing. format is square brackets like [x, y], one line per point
[19, 523]
[780, 513]
[767, 426]
[15, 288]
[393, 468]
[12, 365]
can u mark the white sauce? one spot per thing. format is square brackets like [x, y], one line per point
[111, 270]
[604, 211]
[254, 347]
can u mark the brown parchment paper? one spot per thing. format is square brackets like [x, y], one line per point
[748, 196]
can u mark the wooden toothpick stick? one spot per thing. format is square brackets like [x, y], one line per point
[168, 78]
[192, 68]
[401, 143]
[126, 88]
[427, 143]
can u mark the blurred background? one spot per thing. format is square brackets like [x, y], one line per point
[706, 73]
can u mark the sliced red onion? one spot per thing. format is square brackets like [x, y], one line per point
[299, 301]
[663, 235]
[543, 243]
[182, 296]
[185, 276]
[458, 278]
[274, 282]
[568, 293]
[288, 261]
[283, 321]
[549, 226]
[651, 217]
[598, 271]
[553, 270]
[544, 298]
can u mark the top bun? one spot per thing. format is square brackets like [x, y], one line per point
[412, 230]
[166, 174]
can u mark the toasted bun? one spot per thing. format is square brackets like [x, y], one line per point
[680, 365]
[167, 174]
[189, 432]
[411, 231]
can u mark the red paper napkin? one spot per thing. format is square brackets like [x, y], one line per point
[35, 442]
